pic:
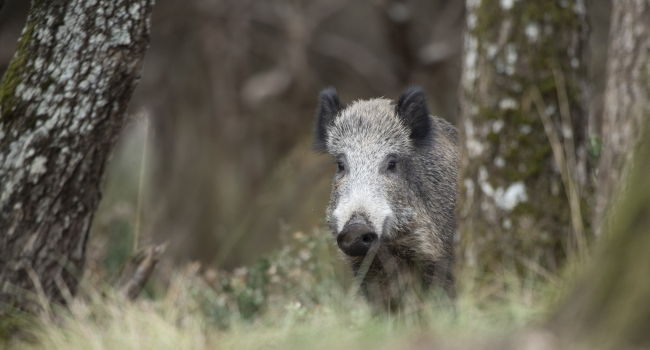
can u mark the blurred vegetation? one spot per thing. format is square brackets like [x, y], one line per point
[292, 298]
[229, 88]
[231, 160]
[217, 162]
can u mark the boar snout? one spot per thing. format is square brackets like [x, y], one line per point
[356, 238]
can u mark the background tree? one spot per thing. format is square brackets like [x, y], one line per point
[626, 95]
[523, 125]
[608, 308]
[62, 103]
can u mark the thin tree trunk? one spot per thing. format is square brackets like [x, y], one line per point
[523, 126]
[626, 92]
[609, 308]
[62, 104]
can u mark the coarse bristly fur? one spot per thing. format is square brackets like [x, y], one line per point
[397, 169]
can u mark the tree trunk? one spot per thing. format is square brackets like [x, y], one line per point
[626, 92]
[523, 125]
[62, 104]
[609, 307]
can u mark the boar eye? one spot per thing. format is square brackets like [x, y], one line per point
[391, 165]
[340, 167]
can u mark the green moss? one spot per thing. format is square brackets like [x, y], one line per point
[537, 229]
[14, 73]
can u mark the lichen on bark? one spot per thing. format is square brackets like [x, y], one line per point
[522, 58]
[608, 306]
[62, 104]
[626, 99]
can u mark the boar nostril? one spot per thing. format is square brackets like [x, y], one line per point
[356, 239]
[369, 237]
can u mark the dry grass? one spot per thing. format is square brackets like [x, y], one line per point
[287, 301]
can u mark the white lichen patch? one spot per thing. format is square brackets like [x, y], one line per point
[492, 50]
[550, 109]
[497, 126]
[134, 10]
[120, 36]
[469, 189]
[485, 186]
[532, 31]
[70, 86]
[471, 56]
[38, 166]
[509, 198]
[505, 199]
[525, 129]
[511, 59]
[507, 103]
[38, 63]
[499, 162]
[575, 62]
[580, 8]
[506, 4]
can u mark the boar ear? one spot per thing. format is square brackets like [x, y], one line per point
[328, 107]
[412, 109]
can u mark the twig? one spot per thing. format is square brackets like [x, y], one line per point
[139, 269]
[138, 209]
[540, 270]
[363, 269]
[66, 294]
[565, 115]
[569, 183]
[43, 300]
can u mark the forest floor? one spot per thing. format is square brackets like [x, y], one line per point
[295, 298]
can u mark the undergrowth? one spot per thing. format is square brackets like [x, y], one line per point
[298, 297]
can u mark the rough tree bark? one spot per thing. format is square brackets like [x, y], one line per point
[609, 308]
[626, 92]
[62, 103]
[523, 126]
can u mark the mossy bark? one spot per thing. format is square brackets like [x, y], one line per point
[62, 103]
[523, 127]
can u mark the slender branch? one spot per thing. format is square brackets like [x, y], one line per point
[138, 270]
[567, 178]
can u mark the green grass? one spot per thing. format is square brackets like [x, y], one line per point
[296, 298]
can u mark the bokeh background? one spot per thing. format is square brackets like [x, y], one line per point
[216, 159]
